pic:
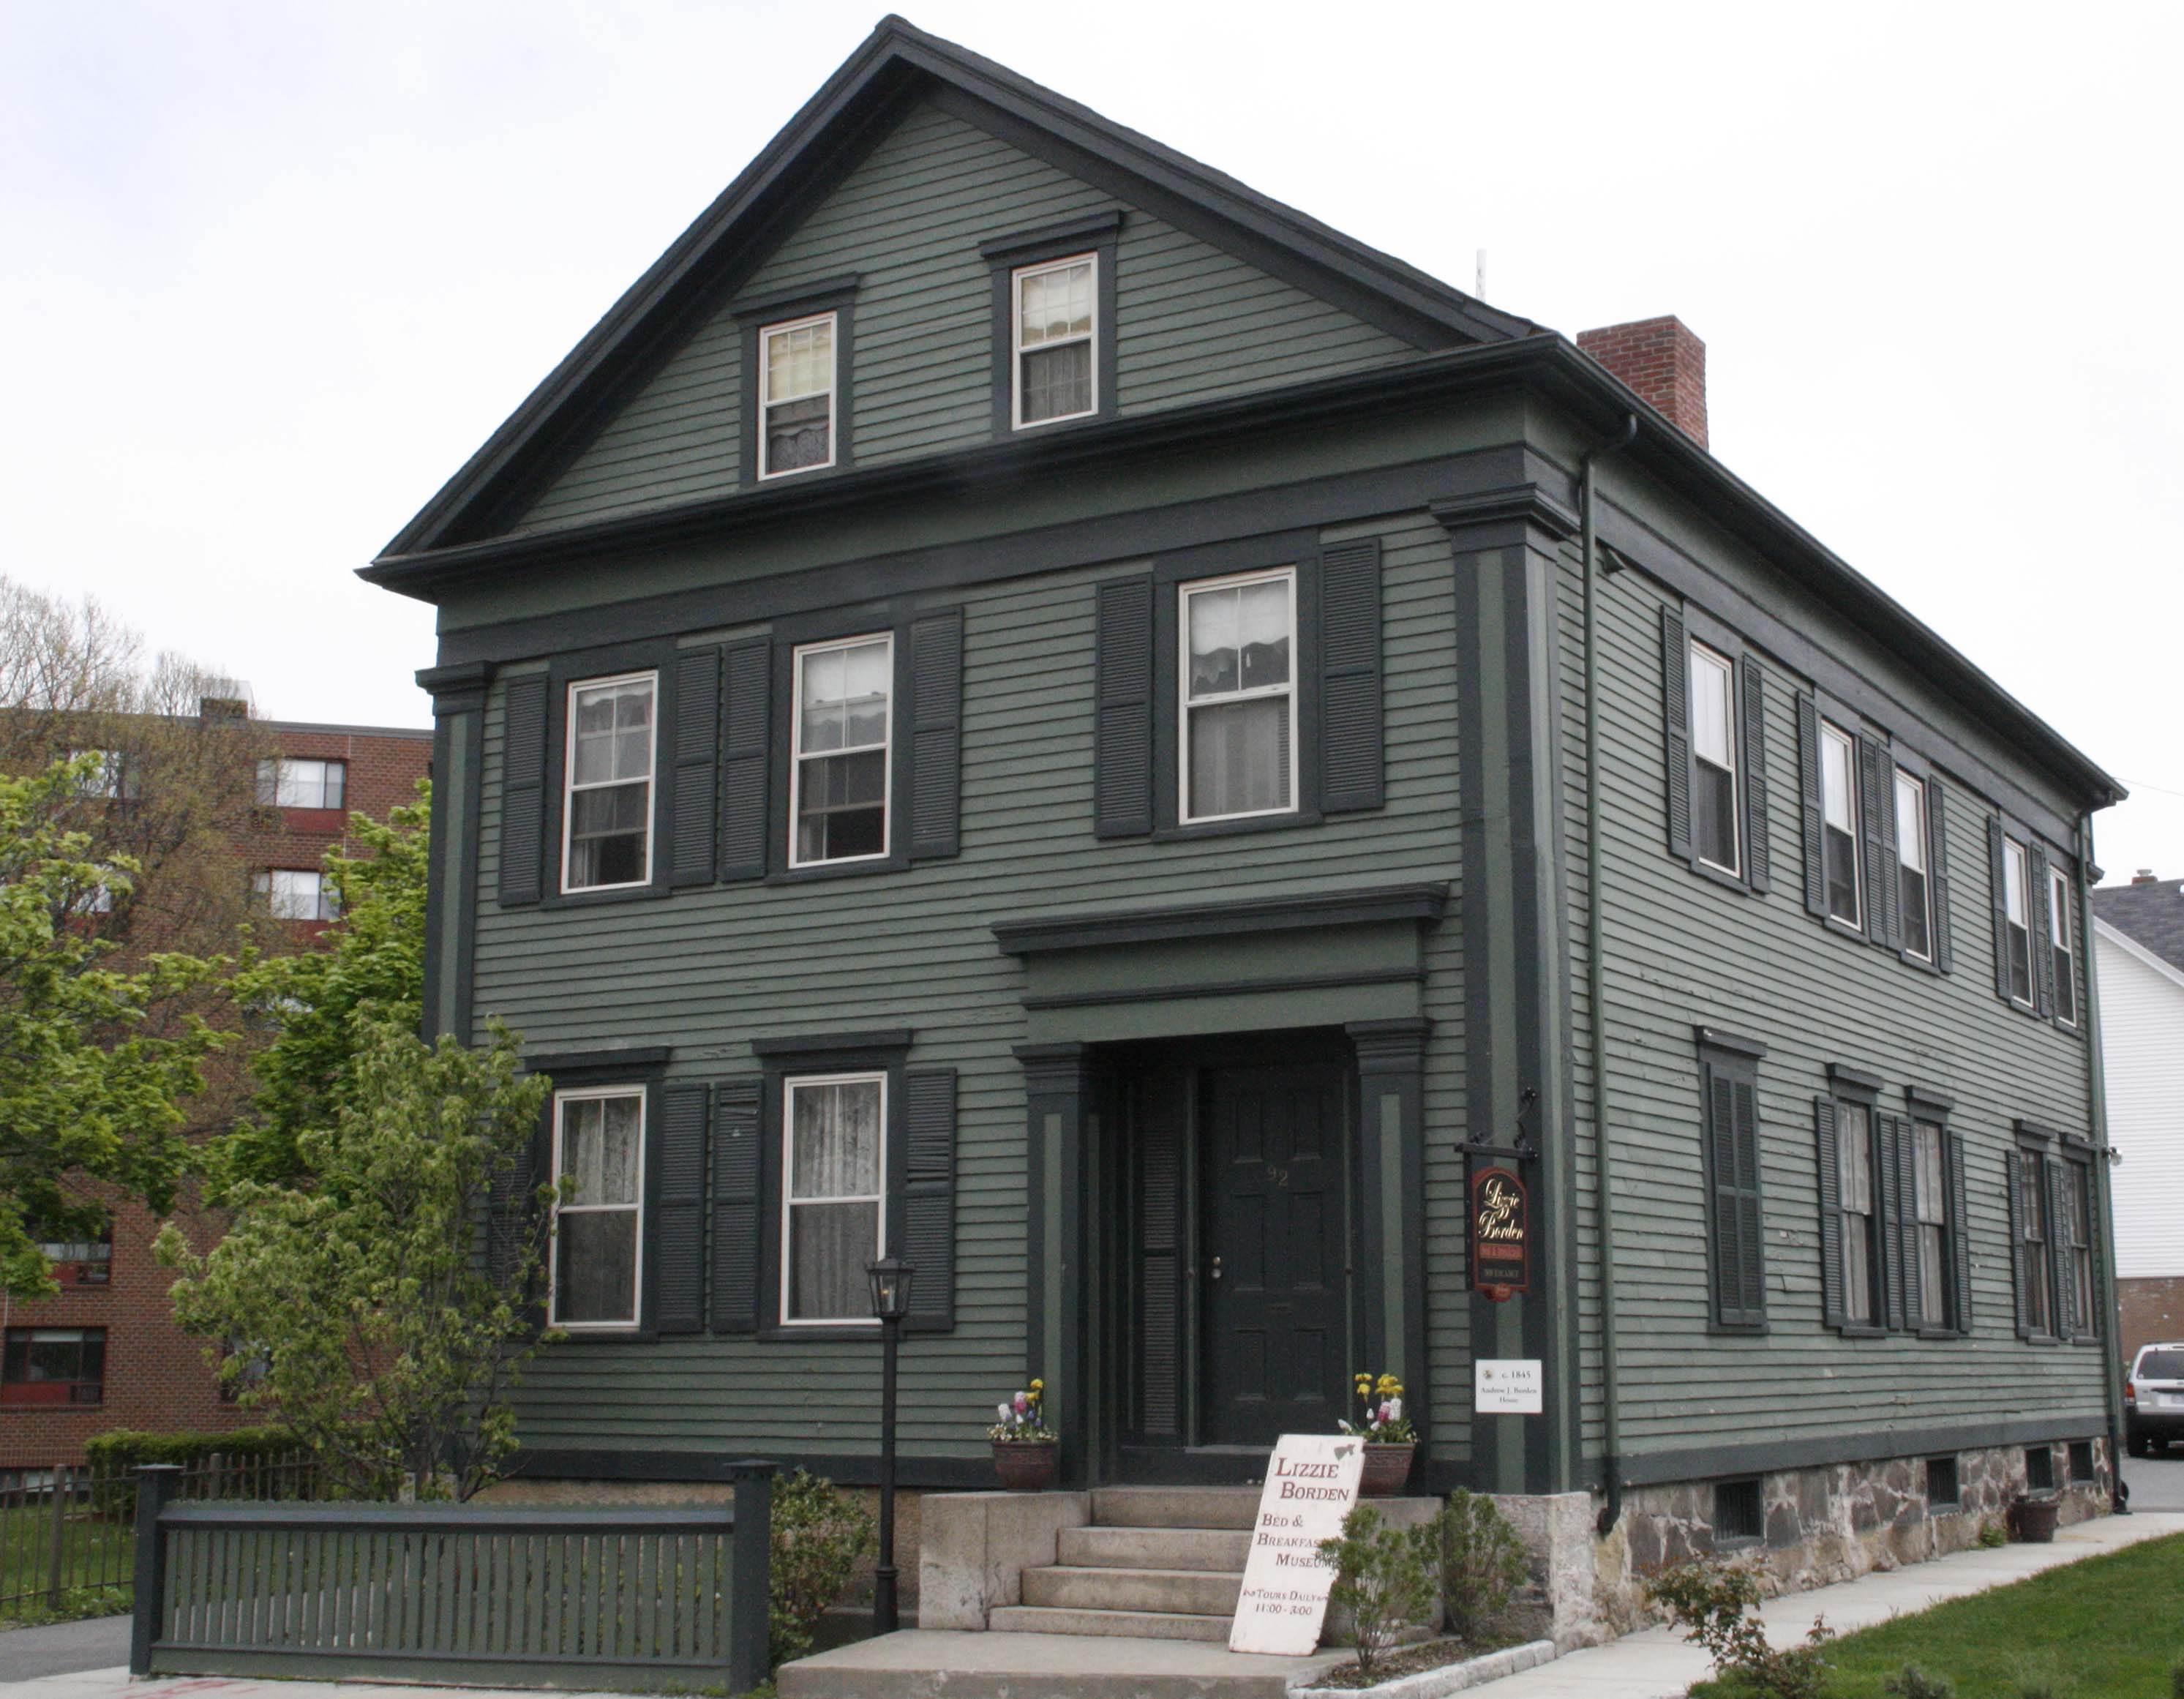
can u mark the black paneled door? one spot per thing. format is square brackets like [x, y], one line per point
[1271, 1263]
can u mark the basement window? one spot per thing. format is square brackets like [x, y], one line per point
[1739, 1516]
[1942, 1492]
[2081, 1463]
[2040, 1469]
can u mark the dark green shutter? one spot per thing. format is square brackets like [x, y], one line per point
[1676, 716]
[1815, 812]
[1937, 870]
[1735, 1211]
[1832, 1224]
[522, 790]
[1752, 1228]
[1758, 856]
[2014, 1173]
[1998, 876]
[1907, 1233]
[697, 763]
[2039, 931]
[2060, 1274]
[515, 1222]
[1884, 878]
[1890, 1176]
[1122, 727]
[1871, 915]
[746, 702]
[1960, 1237]
[736, 1171]
[936, 735]
[927, 1239]
[1352, 767]
[678, 1223]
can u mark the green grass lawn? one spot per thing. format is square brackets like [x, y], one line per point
[2107, 1628]
[95, 1551]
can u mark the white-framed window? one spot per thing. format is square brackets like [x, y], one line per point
[2017, 911]
[1861, 1219]
[295, 893]
[1054, 315]
[1713, 749]
[1930, 1198]
[2062, 940]
[842, 765]
[598, 1225]
[833, 1198]
[283, 783]
[796, 396]
[1839, 822]
[606, 820]
[1237, 729]
[1913, 885]
[112, 780]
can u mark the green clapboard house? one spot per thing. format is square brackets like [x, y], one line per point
[1018, 702]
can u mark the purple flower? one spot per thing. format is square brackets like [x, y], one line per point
[1023, 1404]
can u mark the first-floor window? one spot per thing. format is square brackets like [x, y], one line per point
[53, 1366]
[295, 893]
[833, 1216]
[1239, 718]
[1861, 1223]
[1929, 1200]
[1713, 750]
[843, 737]
[2062, 942]
[2074, 1238]
[1839, 822]
[2036, 1306]
[607, 830]
[599, 1152]
[1913, 884]
[2017, 911]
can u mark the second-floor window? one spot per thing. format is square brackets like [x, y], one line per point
[1915, 899]
[839, 768]
[598, 1150]
[1839, 822]
[1055, 328]
[607, 823]
[2017, 909]
[796, 396]
[1238, 721]
[1713, 750]
[286, 784]
[80, 1260]
[2063, 944]
[295, 893]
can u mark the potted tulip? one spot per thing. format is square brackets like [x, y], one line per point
[1027, 1452]
[1390, 1441]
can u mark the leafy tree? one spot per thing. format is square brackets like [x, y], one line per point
[366, 1314]
[96, 1062]
[1384, 1577]
[325, 1003]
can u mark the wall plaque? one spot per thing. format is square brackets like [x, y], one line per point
[1311, 1484]
[1500, 1232]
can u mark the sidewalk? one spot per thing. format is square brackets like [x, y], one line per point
[1657, 1663]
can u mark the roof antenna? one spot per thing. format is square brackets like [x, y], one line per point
[1479, 281]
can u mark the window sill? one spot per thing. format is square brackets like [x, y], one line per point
[584, 1335]
[589, 900]
[1842, 928]
[1225, 828]
[838, 870]
[1860, 1330]
[1714, 875]
[1738, 1329]
[1942, 1333]
[1920, 963]
[828, 1332]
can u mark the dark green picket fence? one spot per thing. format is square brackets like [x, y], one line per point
[627, 1598]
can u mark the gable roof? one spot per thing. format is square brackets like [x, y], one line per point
[898, 64]
[2151, 915]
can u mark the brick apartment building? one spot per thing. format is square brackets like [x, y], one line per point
[105, 1351]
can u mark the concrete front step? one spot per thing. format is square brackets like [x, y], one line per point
[1112, 1624]
[1173, 1592]
[941, 1664]
[1220, 1549]
[1230, 1507]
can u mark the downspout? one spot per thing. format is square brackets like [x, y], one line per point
[2097, 1113]
[1596, 977]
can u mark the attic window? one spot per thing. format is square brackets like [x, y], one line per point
[796, 396]
[1056, 322]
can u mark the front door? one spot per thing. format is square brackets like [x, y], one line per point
[1271, 1256]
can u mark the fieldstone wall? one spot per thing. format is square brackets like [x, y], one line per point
[1827, 1525]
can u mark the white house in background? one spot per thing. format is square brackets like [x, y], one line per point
[2138, 952]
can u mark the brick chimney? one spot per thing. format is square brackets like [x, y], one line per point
[2144, 875]
[1663, 362]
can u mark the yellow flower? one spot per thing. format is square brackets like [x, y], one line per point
[1038, 1386]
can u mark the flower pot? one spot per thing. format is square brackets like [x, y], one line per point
[1387, 1468]
[2036, 1520]
[1027, 1465]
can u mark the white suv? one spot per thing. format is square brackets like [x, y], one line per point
[2153, 1399]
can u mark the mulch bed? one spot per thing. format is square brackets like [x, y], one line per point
[1410, 1660]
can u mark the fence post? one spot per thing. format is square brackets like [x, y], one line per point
[751, 1575]
[57, 1554]
[155, 1482]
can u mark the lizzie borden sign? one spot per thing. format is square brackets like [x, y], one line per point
[1311, 1484]
[1500, 1234]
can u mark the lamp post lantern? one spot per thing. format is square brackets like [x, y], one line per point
[890, 1280]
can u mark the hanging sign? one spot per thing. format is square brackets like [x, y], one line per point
[1500, 1232]
[1311, 1484]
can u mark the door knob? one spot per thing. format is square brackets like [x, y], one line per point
[1216, 1273]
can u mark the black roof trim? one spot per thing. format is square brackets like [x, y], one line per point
[828, 135]
[1041, 935]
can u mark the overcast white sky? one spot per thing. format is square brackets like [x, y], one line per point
[269, 273]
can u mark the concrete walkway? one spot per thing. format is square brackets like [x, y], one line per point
[1657, 1663]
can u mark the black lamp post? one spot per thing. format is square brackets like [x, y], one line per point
[890, 1278]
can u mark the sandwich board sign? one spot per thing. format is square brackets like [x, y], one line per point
[1311, 1484]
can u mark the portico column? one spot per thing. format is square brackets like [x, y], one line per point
[1391, 1298]
[458, 695]
[1057, 1274]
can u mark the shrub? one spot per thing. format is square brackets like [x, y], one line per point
[1384, 1577]
[2176, 1680]
[1913, 1683]
[1709, 1600]
[121, 1449]
[818, 1537]
[1993, 1536]
[1482, 1561]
